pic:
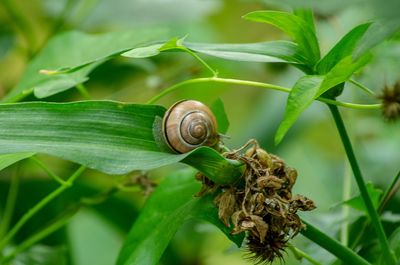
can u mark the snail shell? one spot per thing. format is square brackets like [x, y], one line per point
[189, 124]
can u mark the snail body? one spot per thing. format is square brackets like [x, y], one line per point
[189, 124]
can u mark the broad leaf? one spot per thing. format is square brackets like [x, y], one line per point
[73, 54]
[342, 49]
[298, 29]
[8, 160]
[222, 119]
[171, 204]
[300, 97]
[112, 137]
[357, 202]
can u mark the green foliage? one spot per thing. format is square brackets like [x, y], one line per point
[169, 206]
[358, 203]
[7, 160]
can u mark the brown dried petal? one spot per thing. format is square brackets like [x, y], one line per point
[226, 202]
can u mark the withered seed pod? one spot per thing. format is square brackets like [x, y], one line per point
[189, 124]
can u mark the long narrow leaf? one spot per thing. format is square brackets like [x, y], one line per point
[112, 137]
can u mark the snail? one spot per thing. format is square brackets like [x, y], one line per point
[189, 124]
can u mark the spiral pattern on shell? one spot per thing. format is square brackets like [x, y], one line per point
[189, 124]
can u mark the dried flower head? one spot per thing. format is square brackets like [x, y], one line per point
[262, 203]
[391, 102]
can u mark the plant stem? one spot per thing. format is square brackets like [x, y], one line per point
[390, 191]
[254, 84]
[344, 231]
[198, 58]
[373, 214]
[83, 91]
[46, 200]
[299, 254]
[47, 170]
[332, 245]
[366, 89]
[57, 224]
[10, 205]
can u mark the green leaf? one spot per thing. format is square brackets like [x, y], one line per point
[379, 31]
[298, 29]
[300, 97]
[74, 55]
[307, 15]
[271, 51]
[308, 88]
[171, 204]
[222, 119]
[342, 49]
[112, 137]
[8, 160]
[357, 202]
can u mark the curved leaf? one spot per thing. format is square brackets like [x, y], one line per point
[75, 54]
[163, 214]
[112, 137]
[298, 29]
[8, 160]
[342, 49]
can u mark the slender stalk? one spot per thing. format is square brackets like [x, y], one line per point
[198, 58]
[83, 91]
[10, 204]
[390, 191]
[299, 254]
[332, 245]
[47, 170]
[373, 214]
[60, 222]
[46, 200]
[254, 84]
[366, 89]
[344, 231]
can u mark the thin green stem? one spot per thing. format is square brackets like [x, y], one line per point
[373, 214]
[10, 204]
[83, 91]
[390, 191]
[198, 58]
[254, 84]
[299, 254]
[57, 224]
[333, 246]
[47, 170]
[344, 231]
[366, 89]
[46, 200]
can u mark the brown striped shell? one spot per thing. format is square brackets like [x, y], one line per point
[189, 124]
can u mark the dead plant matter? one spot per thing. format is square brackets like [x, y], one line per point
[260, 202]
[391, 102]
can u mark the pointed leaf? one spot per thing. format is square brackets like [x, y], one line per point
[73, 54]
[309, 88]
[8, 160]
[342, 49]
[112, 137]
[298, 29]
[379, 31]
[300, 97]
[163, 214]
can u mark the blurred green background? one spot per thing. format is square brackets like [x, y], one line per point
[312, 146]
